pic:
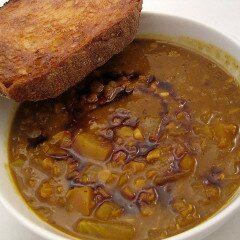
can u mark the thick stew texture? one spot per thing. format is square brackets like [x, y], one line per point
[147, 148]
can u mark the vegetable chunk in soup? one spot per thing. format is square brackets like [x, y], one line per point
[147, 148]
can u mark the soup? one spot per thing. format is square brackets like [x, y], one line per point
[146, 148]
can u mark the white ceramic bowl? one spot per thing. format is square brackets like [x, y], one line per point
[177, 29]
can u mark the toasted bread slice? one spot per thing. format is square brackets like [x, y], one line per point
[47, 46]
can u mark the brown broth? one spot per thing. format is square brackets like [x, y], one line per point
[147, 147]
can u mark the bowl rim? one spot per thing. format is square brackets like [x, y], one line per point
[189, 19]
[225, 213]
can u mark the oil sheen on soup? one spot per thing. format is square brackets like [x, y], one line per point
[146, 148]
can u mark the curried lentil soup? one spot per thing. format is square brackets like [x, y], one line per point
[146, 149]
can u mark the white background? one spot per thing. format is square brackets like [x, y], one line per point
[223, 15]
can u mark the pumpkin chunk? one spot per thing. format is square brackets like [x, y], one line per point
[108, 210]
[108, 230]
[91, 146]
[188, 163]
[81, 199]
[224, 134]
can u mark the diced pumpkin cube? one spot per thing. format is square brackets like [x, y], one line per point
[90, 173]
[18, 163]
[81, 199]
[164, 94]
[47, 163]
[151, 173]
[105, 176]
[62, 139]
[106, 230]
[187, 163]
[123, 179]
[125, 132]
[128, 193]
[224, 134]
[139, 183]
[108, 210]
[56, 152]
[138, 134]
[91, 146]
[134, 167]
[153, 155]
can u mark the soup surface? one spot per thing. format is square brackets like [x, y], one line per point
[146, 149]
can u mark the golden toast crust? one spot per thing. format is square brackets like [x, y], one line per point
[41, 56]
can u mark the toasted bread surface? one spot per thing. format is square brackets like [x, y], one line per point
[47, 46]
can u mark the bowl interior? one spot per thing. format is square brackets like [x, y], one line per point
[164, 27]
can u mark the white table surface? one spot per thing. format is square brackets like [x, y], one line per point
[223, 15]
